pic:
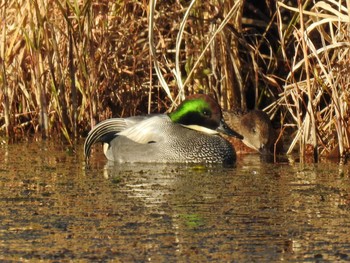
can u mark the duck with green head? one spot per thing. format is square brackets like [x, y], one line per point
[190, 134]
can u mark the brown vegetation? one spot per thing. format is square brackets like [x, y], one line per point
[66, 65]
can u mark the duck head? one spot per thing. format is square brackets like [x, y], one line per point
[201, 112]
[255, 126]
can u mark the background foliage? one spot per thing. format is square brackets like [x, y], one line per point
[66, 65]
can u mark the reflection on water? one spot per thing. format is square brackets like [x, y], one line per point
[53, 208]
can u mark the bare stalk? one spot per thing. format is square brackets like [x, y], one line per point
[310, 108]
[153, 50]
[5, 91]
[72, 78]
[5, 102]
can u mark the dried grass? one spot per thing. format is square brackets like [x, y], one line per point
[316, 91]
[69, 64]
[66, 65]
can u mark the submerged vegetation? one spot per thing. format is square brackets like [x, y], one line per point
[66, 65]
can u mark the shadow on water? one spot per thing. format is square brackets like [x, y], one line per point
[53, 208]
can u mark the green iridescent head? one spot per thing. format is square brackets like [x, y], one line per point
[202, 111]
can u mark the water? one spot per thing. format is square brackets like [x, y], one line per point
[54, 209]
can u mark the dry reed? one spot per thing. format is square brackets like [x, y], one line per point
[69, 64]
[66, 65]
[316, 91]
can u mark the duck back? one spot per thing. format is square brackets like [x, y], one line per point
[158, 139]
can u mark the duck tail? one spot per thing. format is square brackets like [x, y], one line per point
[104, 131]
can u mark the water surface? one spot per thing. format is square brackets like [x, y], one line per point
[53, 208]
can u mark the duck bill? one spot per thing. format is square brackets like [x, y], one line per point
[223, 128]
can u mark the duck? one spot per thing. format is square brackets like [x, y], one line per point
[256, 128]
[190, 134]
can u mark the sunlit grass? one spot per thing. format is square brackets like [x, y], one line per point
[316, 91]
[66, 65]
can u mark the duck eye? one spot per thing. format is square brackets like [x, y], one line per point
[206, 113]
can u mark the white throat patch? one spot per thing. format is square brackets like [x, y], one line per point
[201, 129]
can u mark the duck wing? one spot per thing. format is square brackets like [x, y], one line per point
[137, 128]
[149, 130]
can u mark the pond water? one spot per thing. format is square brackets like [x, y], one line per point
[53, 208]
